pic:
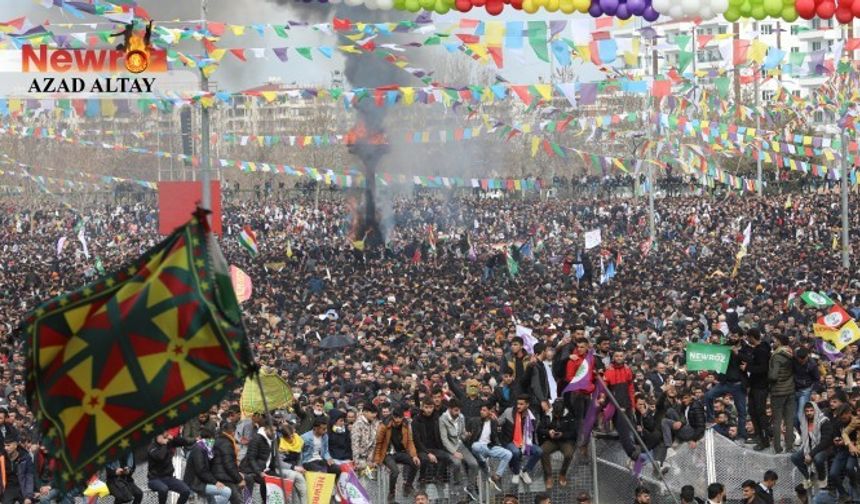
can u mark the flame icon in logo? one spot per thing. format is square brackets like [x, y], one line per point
[136, 55]
[136, 48]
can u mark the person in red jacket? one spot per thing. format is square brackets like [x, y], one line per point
[619, 381]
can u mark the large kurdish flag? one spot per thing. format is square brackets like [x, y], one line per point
[145, 349]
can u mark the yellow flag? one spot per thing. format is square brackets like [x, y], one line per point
[320, 487]
[535, 144]
[840, 338]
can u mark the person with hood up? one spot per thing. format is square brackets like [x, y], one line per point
[782, 399]
[339, 438]
[816, 434]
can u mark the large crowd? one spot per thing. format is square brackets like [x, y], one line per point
[438, 384]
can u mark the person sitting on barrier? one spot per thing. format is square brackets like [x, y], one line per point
[435, 461]
[721, 424]
[764, 491]
[225, 467]
[160, 469]
[339, 440]
[394, 445]
[198, 469]
[452, 427]
[483, 439]
[256, 460]
[315, 453]
[559, 435]
[289, 450]
[119, 477]
[685, 421]
[732, 381]
[647, 419]
[846, 452]
[748, 492]
[518, 425]
[364, 437]
[816, 442]
[716, 493]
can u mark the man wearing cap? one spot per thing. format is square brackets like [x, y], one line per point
[20, 472]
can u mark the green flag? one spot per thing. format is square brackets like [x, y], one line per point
[704, 357]
[279, 395]
[99, 266]
[513, 266]
[816, 299]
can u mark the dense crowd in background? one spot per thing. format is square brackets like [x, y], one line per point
[437, 385]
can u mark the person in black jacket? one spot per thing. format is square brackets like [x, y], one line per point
[806, 378]
[339, 439]
[536, 381]
[685, 422]
[120, 481]
[560, 435]
[757, 365]
[435, 460]
[225, 467]
[732, 382]
[470, 398]
[484, 442]
[160, 471]
[256, 460]
[198, 470]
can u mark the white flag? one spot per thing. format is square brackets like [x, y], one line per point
[61, 243]
[592, 239]
[747, 235]
[529, 341]
[83, 239]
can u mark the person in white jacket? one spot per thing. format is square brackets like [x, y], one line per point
[452, 426]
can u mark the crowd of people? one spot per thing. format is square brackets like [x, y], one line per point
[440, 383]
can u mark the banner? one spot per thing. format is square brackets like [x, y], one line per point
[242, 284]
[278, 490]
[320, 487]
[529, 340]
[592, 239]
[705, 357]
[351, 489]
[816, 299]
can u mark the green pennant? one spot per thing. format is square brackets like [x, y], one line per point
[280, 31]
[684, 60]
[796, 58]
[722, 84]
[434, 40]
[305, 51]
[682, 41]
[537, 39]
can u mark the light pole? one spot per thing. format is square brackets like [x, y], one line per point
[206, 195]
[846, 260]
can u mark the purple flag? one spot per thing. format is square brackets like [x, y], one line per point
[827, 350]
[280, 52]
[588, 93]
[590, 415]
[556, 27]
[351, 489]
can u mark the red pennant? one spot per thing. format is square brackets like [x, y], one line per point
[341, 24]
[239, 53]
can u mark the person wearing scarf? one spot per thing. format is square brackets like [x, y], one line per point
[225, 462]
[198, 470]
[518, 435]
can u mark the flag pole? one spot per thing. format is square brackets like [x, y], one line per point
[268, 416]
[637, 437]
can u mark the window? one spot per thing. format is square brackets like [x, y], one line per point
[767, 95]
[766, 29]
[722, 29]
[796, 93]
[794, 29]
[795, 49]
[818, 116]
[816, 46]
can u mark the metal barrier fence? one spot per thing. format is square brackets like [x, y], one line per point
[603, 471]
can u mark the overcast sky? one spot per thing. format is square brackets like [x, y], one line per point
[235, 75]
